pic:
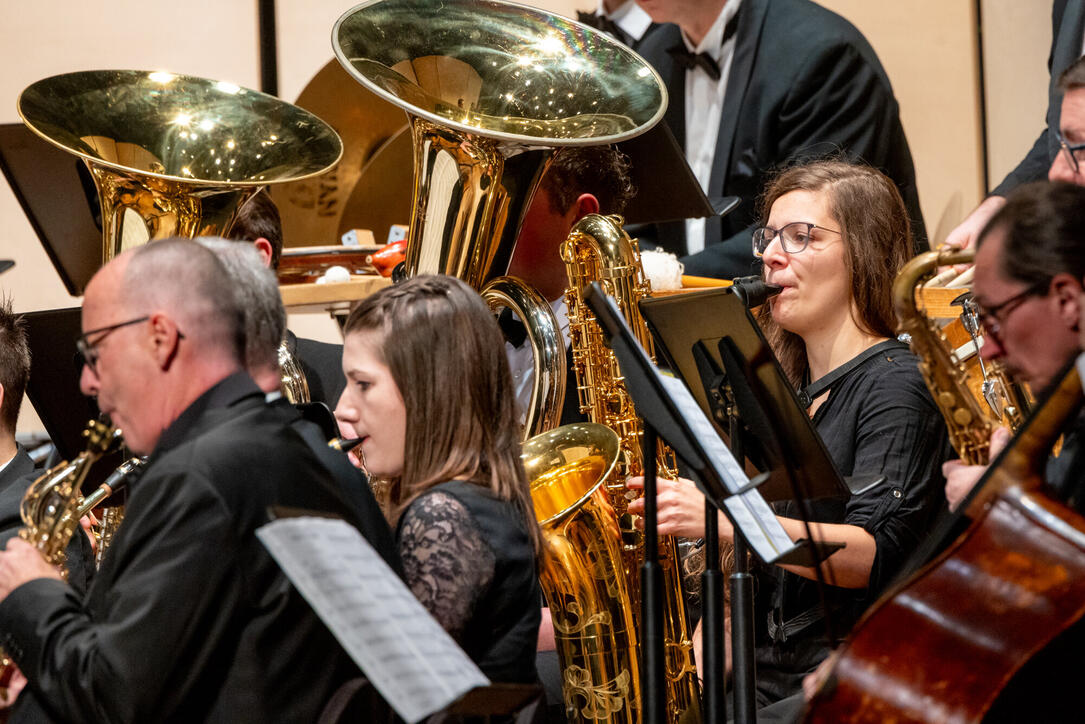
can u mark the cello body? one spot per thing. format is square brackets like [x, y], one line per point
[953, 643]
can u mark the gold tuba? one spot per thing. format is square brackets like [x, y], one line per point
[968, 423]
[490, 90]
[174, 155]
[598, 249]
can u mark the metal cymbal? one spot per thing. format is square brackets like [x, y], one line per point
[313, 209]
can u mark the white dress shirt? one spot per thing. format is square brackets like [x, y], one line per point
[630, 17]
[704, 107]
[521, 360]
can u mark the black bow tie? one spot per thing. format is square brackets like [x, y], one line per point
[603, 24]
[704, 61]
[689, 61]
[514, 330]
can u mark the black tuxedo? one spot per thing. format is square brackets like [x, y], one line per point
[14, 480]
[352, 483]
[803, 83]
[609, 27]
[1067, 27]
[189, 617]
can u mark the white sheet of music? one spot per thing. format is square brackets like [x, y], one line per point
[415, 665]
[749, 511]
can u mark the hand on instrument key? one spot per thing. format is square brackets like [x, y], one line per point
[680, 508]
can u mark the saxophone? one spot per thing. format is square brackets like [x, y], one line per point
[50, 509]
[968, 424]
[597, 249]
[106, 528]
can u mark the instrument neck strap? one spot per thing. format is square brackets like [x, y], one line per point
[816, 389]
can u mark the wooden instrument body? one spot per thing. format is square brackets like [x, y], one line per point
[944, 646]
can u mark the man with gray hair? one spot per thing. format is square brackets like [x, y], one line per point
[265, 323]
[189, 618]
[265, 318]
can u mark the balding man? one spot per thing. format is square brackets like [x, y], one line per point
[189, 618]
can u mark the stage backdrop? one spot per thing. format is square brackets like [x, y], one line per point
[930, 49]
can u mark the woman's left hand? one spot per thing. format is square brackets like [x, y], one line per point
[680, 507]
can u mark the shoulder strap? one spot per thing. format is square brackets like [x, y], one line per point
[819, 387]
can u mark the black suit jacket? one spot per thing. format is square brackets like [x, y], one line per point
[1067, 27]
[189, 617]
[14, 480]
[322, 363]
[804, 83]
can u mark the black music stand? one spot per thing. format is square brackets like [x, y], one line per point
[669, 410]
[59, 199]
[53, 388]
[666, 189]
[713, 341]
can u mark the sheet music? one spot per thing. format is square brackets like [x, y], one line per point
[408, 657]
[748, 511]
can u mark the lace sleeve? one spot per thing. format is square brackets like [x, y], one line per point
[446, 561]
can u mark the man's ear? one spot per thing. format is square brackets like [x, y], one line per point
[586, 204]
[1068, 290]
[264, 247]
[165, 339]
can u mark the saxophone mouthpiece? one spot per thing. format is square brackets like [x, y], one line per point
[343, 444]
[754, 291]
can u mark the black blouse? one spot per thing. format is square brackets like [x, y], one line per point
[468, 558]
[879, 420]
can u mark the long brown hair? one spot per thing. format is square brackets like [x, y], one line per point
[447, 357]
[877, 242]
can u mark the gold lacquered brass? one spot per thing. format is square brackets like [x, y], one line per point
[598, 249]
[49, 509]
[174, 155]
[491, 89]
[969, 423]
[581, 572]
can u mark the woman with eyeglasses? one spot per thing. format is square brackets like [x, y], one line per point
[430, 395]
[834, 237]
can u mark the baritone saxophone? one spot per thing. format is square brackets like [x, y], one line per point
[598, 249]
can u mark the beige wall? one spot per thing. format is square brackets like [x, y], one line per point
[927, 46]
[1016, 41]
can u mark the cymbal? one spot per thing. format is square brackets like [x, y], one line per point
[312, 209]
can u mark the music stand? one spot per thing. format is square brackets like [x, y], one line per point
[59, 199]
[669, 410]
[712, 340]
[53, 387]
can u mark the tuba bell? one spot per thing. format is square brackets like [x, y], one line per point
[491, 90]
[174, 155]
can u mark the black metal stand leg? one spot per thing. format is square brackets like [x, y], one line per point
[712, 650]
[653, 671]
[742, 664]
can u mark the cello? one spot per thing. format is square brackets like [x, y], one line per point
[984, 629]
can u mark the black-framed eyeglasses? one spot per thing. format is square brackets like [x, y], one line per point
[994, 316]
[89, 350]
[794, 237]
[1070, 150]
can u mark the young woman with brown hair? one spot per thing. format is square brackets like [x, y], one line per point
[429, 392]
[834, 237]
